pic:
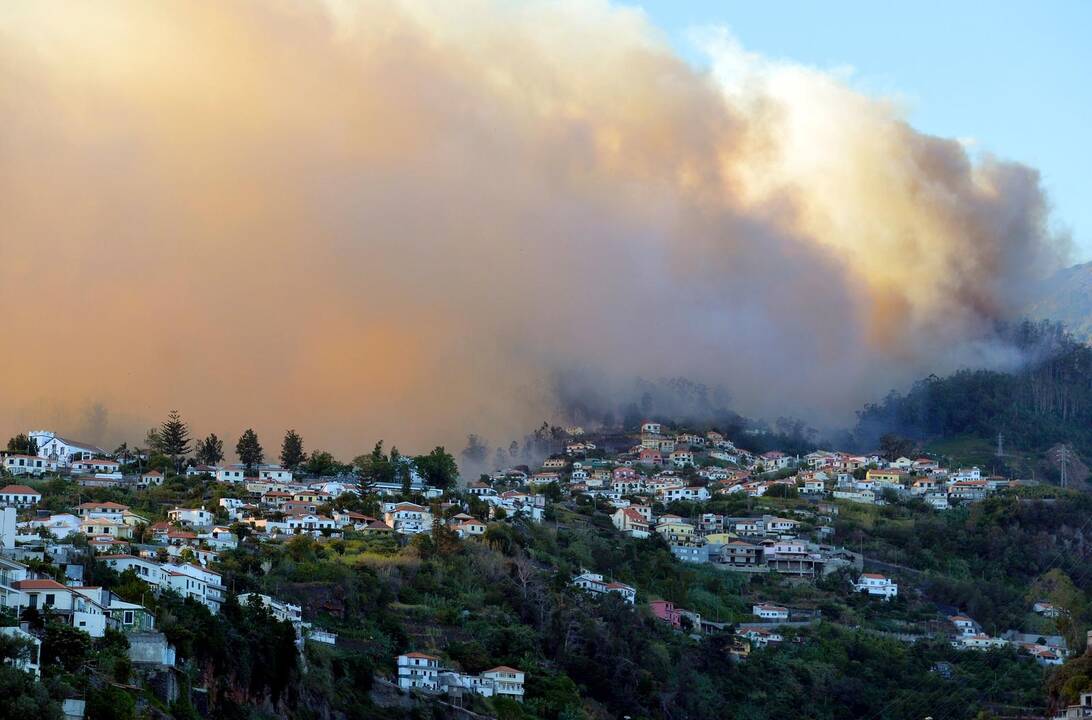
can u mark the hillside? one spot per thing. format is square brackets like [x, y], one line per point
[1047, 401]
[1067, 298]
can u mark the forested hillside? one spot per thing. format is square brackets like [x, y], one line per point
[1045, 400]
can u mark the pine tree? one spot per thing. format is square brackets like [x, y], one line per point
[174, 437]
[210, 451]
[292, 453]
[249, 450]
[23, 445]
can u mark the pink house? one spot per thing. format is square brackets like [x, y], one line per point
[666, 611]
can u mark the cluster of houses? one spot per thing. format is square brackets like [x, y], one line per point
[426, 674]
[921, 478]
[749, 544]
[1046, 649]
[685, 466]
[89, 608]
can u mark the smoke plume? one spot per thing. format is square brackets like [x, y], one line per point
[406, 219]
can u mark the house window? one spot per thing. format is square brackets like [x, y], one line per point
[128, 617]
[50, 599]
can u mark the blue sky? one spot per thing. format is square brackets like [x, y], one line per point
[1014, 76]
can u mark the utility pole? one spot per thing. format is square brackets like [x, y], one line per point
[1063, 458]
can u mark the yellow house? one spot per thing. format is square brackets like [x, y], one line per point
[677, 533]
[99, 527]
[890, 476]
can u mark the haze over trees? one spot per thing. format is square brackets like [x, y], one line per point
[1046, 399]
[476, 451]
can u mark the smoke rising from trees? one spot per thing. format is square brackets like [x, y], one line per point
[415, 220]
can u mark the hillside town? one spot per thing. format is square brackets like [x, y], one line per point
[91, 565]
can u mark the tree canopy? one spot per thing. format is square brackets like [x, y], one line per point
[292, 454]
[23, 445]
[438, 468]
[210, 451]
[249, 450]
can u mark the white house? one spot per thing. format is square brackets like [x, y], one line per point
[194, 581]
[477, 487]
[408, 518]
[231, 474]
[275, 473]
[100, 466]
[292, 614]
[964, 625]
[191, 517]
[631, 520]
[769, 611]
[506, 681]
[1047, 609]
[417, 671]
[965, 474]
[978, 641]
[682, 458]
[29, 662]
[19, 496]
[186, 579]
[470, 528]
[938, 501]
[66, 604]
[775, 460]
[62, 450]
[108, 510]
[299, 523]
[875, 584]
[151, 478]
[61, 526]
[17, 465]
[759, 637]
[595, 584]
[693, 493]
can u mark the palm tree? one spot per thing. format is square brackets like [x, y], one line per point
[138, 453]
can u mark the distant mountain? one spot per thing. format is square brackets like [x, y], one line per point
[1067, 298]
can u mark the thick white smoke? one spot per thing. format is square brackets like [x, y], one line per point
[403, 219]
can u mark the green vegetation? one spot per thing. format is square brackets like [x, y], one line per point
[1046, 401]
[506, 598]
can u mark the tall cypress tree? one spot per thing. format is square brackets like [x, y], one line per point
[292, 450]
[249, 450]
